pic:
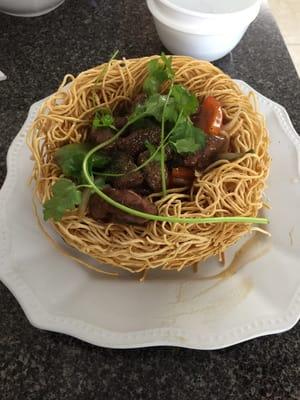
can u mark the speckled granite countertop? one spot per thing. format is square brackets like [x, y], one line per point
[35, 54]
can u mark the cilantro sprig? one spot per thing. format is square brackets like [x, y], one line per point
[103, 119]
[65, 198]
[177, 105]
[70, 158]
[159, 71]
[186, 138]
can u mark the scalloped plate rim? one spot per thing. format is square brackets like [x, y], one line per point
[42, 319]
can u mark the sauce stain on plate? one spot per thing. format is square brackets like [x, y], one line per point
[246, 254]
[219, 306]
[186, 303]
[291, 231]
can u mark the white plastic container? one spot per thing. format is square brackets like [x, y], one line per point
[28, 8]
[205, 29]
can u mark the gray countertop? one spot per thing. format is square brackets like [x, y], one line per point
[35, 54]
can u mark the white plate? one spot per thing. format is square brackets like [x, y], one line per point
[175, 309]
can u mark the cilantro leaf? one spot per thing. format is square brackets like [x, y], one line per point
[187, 145]
[186, 102]
[157, 75]
[168, 65]
[159, 71]
[171, 110]
[104, 120]
[70, 158]
[154, 107]
[180, 102]
[65, 198]
[186, 138]
[151, 148]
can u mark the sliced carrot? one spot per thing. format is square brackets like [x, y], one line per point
[211, 116]
[181, 176]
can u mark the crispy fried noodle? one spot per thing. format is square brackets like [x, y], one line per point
[223, 189]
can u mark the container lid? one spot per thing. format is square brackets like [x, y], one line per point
[201, 24]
